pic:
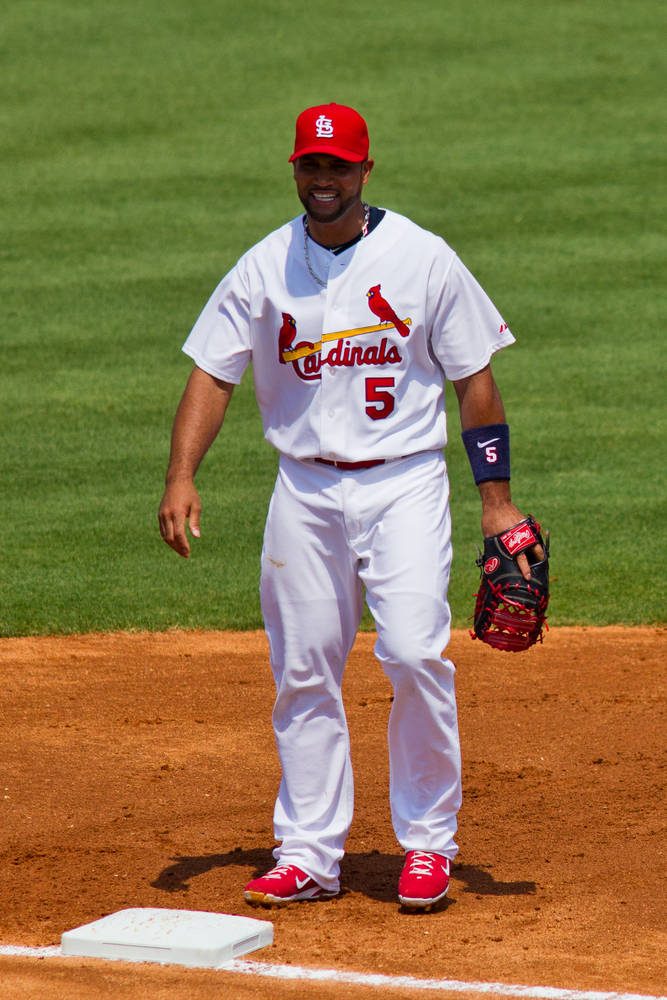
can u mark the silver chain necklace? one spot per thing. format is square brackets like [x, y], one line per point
[306, 234]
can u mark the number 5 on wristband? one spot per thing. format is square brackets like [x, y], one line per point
[488, 449]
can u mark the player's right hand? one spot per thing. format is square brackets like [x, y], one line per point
[180, 504]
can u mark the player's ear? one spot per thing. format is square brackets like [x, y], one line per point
[366, 168]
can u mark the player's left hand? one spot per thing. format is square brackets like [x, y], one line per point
[511, 610]
[500, 514]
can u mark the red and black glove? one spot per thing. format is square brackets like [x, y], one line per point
[510, 612]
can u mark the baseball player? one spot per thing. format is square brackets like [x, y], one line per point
[353, 317]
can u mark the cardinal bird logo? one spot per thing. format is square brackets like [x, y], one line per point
[383, 310]
[286, 335]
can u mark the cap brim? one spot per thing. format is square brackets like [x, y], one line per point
[343, 154]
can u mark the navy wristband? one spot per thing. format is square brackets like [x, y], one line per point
[488, 449]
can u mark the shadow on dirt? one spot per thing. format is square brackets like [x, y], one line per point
[176, 877]
[370, 873]
[482, 882]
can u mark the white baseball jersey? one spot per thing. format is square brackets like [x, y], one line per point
[355, 370]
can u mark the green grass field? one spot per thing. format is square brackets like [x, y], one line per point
[144, 148]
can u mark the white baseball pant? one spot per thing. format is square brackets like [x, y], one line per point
[328, 533]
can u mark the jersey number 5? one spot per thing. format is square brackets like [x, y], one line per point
[375, 393]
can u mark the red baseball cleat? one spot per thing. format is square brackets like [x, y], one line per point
[424, 879]
[285, 884]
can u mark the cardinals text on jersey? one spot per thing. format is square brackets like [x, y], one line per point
[308, 358]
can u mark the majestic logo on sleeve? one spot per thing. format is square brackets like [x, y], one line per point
[307, 359]
[324, 127]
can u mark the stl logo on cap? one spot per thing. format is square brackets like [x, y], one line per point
[333, 129]
[324, 127]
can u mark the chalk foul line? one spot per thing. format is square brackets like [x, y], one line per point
[410, 982]
[16, 949]
[376, 979]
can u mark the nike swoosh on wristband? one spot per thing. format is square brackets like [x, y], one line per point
[299, 884]
[483, 444]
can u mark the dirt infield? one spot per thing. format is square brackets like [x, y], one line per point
[140, 770]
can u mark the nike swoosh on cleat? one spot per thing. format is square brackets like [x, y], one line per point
[483, 444]
[299, 884]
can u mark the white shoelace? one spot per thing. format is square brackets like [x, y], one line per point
[279, 871]
[421, 863]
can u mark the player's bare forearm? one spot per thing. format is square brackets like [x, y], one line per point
[480, 404]
[198, 420]
[479, 400]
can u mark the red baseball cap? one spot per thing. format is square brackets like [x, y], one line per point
[333, 129]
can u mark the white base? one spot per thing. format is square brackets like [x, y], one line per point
[179, 937]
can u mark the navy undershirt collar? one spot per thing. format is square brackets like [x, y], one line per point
[375, 217]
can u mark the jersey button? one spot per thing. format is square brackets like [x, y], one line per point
[327, 263]
[331, 413]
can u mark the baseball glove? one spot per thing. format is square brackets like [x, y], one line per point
[510, 612]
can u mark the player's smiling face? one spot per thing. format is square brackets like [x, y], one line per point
[328, 186]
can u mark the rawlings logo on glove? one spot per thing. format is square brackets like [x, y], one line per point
[510, 612]
[517, 538]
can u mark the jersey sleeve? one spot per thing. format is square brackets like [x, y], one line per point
[467, 328]
[219, 342]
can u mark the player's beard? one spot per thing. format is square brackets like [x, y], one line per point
[344, 207]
